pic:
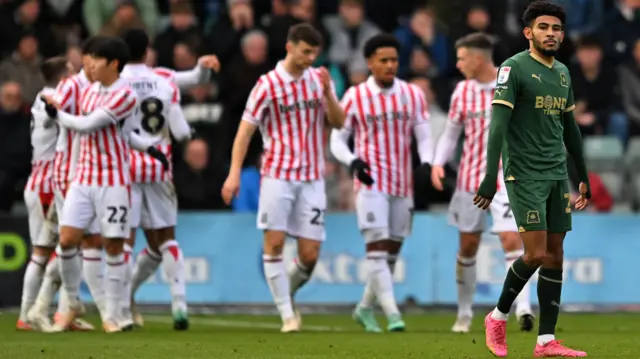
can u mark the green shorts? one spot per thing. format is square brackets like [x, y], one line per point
[540, 205]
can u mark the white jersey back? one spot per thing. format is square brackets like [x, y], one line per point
[156, 96]
[44, 134]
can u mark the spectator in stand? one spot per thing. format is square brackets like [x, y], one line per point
[223, 39]
[26, 19]
[23, 67]
[621, 29]
[184, 57]
[126, 16]
[197, 182]
[182, 28]
[97, 13]
[630, 89]
[596, 91]
[74, 55]
[65, 20]
[478, 19]
[237, 81]
[584, 17]
[421, 32]
[349, 31]
[15, 144]
[420, 63]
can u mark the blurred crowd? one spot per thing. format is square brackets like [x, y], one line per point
[601, 48]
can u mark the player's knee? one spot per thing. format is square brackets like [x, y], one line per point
[469, 244]
[510, 241]
[114, 247]
[92, 241]
[70, 237]
[274, 242]
[535, 257]
[43, 251]
[554, 258]
[308, 255]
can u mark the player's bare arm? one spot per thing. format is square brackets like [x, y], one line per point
[422, 132]
[573, 143]
[335, 113]
[444, 149]
[238, 153]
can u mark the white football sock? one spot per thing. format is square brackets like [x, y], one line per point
[125, 301]
[382, 281]
[276, 275]
[466, 280]
[146, 264]
[523, 301]
[545, 338]
[93, 275]
[115, 276]
[298, 274]
[71, 275]
[32, 281]
[173, 265]
[50, 285]
[498, 315]
[369, 296]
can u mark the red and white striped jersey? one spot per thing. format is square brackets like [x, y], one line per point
[167, 74]
[156, 96]
[44, 133]
[104, 153]
[382, 121]
[471, 108]
[68, 94]
[290, 113]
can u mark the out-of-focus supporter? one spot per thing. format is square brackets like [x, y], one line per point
[621, 29]
[630, 89]
[127, 15]
[23, 67]
[224, 36]
[183, 28]
[21, 17]
[15, 144]
[117, 15]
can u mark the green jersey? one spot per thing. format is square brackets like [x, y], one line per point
[539, 95]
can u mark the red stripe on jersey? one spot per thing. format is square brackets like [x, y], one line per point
[307, 141]
[396, 143]
[294, 90]
[363, 135]
[385, 141]
[285, 133]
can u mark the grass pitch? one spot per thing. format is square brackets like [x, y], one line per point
[606, 336]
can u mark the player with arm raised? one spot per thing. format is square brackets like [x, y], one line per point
[381, 114]
[471, 110]
[533, 126]
[289, 105]
[38, 193]
[153, 201]
[187, 79]
[100, 188]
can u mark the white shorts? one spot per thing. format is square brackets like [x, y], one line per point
[108, 205]
[294, 207]
[153, 205]
[94, 227]
[42, 219]
[390, 216]
[471, 219]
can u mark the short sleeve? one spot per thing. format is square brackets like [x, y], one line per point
[422, 108]
[66, 95]
[121, 105]
[507, 85]
[456, 105]
[175, 94]
[257, 103]
[571, 101]
[349, 105]
[165, 73]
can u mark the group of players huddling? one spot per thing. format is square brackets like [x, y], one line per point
[101, 169]
[522, 111]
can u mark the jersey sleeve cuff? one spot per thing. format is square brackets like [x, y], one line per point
[570, 108]
[502, 102]
[251, 120]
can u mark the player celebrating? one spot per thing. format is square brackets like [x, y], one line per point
[381, 113]
[153, 195]
[100, 188]
[289, 104]
[38, 193]
[470, 109]
[532, 122]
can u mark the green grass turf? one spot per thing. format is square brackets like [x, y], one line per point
[606, 336]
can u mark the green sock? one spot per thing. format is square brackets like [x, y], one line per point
[549, 292]
[517, 276]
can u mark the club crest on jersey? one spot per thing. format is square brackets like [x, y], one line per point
[503, 75]
[563, 80]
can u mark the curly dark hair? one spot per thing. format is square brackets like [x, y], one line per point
[542, 8]
[379, 41]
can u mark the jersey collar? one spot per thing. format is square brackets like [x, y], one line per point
[286, 76]
[541, 60]
[375, 89]
[134, 68]
[82, 79]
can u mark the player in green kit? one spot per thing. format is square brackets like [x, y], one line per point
[531, 124]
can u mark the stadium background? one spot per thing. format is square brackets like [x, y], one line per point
[223, 248]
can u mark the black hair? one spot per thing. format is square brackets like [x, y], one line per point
[112, 49]
[589, 41]
[542, 8]
[137, 41]
[379, 41]
[53, 69]
[304, 32]
[88, 44]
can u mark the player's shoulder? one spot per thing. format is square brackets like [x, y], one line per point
[463, 86]
[164, 72]
[560, 66]
[516, 61]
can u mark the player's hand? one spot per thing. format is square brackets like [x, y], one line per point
[325, 79]
[582, 202]
[486, 191]
[210, 62]
[50, 106]
[437, 175]
[158, 155]
[361, 170]
[230, 189]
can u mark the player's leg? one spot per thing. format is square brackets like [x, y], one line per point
[275, 207]
[528, 202]
[112, 208]
[93, 266]
[76, 217]
[505, 225]
[146, 264]
[550, 274]
[43, 241]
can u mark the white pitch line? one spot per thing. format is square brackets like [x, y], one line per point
[243, 324]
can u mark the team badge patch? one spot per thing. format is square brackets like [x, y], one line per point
[533, 217]
[503, 74]
[563, 80]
